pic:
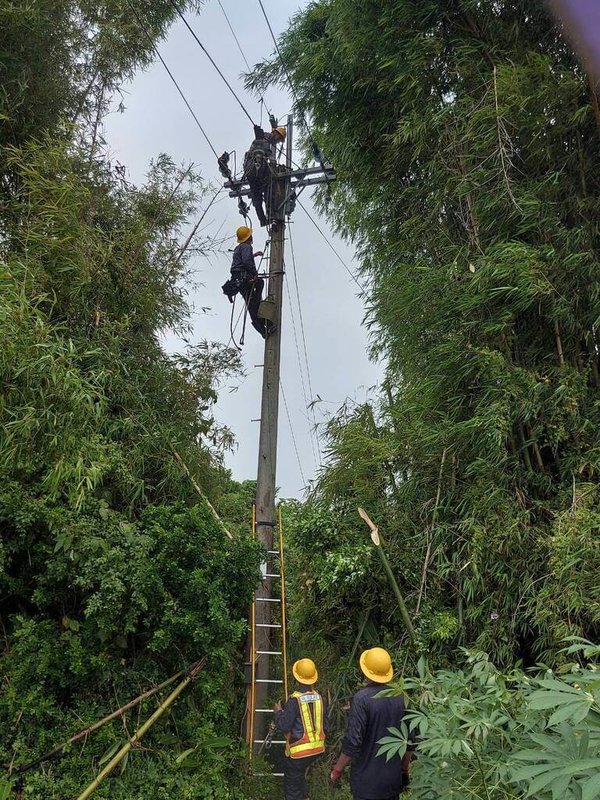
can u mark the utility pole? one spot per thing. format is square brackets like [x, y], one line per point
[267, 447]
[286, 185]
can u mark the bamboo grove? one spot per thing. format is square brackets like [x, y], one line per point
[465, 137]
[114, 572]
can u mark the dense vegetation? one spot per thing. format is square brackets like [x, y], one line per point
[114, 572]
[465, 139]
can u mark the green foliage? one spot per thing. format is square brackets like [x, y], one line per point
[465, 144]
[114, 572]
[500, 736]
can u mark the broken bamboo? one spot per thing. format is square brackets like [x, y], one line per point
[376, 539]
[101, 723]
[137, 736]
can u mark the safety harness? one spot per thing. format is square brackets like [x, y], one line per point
[312, 742]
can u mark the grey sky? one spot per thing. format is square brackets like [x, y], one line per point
[156, 120]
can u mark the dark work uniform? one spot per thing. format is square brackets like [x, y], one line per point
[295, 769]
[244, 272]
[257, 171]
[371, 776]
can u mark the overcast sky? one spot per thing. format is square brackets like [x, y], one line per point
[157, 121]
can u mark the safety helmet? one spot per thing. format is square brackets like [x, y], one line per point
[243, 233]
[281, 131]
[376, 665]
[305, 671]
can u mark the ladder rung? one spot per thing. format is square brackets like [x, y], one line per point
[272, 575]
[268, 652]
[263, 710]
[267, 680]
[267, 774]
[273, 552]
[273, 741]
[267, 600]
[266, 625]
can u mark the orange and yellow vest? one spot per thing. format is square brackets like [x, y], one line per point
[312, 742]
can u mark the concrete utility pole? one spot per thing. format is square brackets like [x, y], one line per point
[286, 185]
[267, 448]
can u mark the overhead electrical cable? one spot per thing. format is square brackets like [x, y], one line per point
[211, 59]
[309, 407]
[248, 67]
[237, 41]
[301, 371]
[331, 247]
[194, 230]
[287, 411]
[172, 77]
[316, 150]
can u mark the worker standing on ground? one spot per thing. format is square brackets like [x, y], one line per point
[303, 722]
[371, 776]
[258, 165]
[246, 280]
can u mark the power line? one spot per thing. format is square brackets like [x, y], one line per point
[210, 58]
[301, 371]
[287, 411]
[239, 46]
[194, 230]
[235, 37]
[301, 315]
[338, 256]
[316, 151]
[172, 77]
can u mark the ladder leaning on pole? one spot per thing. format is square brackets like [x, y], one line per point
[276, 654]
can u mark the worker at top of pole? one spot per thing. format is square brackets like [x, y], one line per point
[258, 168]
[369, 720]
[304, 724]
[246, 280]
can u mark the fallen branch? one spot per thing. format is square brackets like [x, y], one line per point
[133, 741]
[213, 510]
[101, 723]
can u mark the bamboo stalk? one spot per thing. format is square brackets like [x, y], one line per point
[164, 706]
[213, 510]
[101, 723]
[430, 533]
[559, 347]
[595, 374]
[525, 449]
[536, 450]
[376, 539]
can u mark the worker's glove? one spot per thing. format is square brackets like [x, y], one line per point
[272, 121]
[336, 774]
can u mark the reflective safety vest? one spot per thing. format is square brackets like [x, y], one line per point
[312, 742]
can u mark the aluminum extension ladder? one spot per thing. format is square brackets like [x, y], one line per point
[276, 655]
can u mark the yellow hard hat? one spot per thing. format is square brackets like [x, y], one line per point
[305, 671]
[376, 665]
[243, 233]
[281, 131]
